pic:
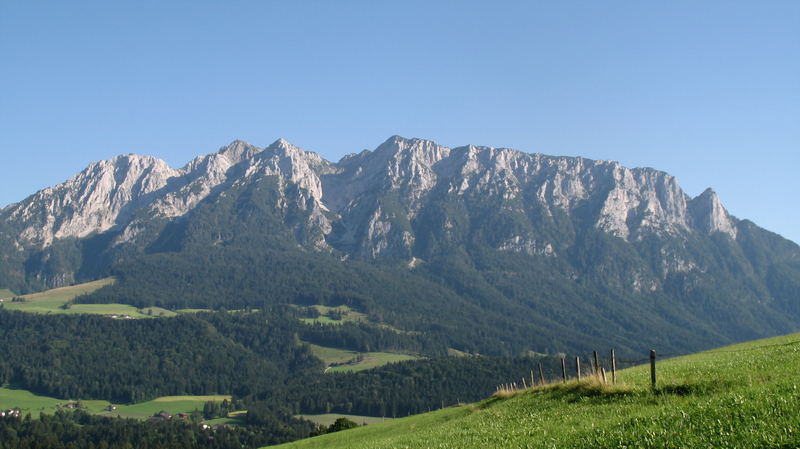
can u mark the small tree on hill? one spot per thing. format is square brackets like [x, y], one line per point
[341, 424]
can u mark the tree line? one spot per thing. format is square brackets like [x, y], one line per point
[81, 430]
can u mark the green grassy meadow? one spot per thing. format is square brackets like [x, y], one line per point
[343, 356]
[346, 313]
[193, 310]
[28, 402]
[52, 301]
[329, 418]
[233, 419]
[372, 360]
[743, 396]
[171, 404]
[34, 404]
[6, 293]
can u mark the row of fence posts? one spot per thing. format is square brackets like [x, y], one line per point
[597, 370]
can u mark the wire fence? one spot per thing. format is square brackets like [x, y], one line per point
[597, 369]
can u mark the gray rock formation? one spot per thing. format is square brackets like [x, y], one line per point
[369, 205]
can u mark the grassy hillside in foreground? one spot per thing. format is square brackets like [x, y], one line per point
[742, 396]
[53, 301]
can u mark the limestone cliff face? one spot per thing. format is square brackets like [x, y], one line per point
[100, 197]
[379, 194]
[379, 204]
[122, 192]
[710, 216]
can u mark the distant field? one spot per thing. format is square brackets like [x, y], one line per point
[211, 310]
[6, 293]
[456, 352]
[343, 356]
[332, 355]
[171, 404]
[373, 360]
[742, 396]
[52, 301]
[193, 310]
[28, 402]
[58, 296]
[321, 320]
[343, 314]
[326, 312]
[233, 419]
[329, 418]
[34, 404]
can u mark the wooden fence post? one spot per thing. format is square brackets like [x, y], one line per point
[613, 367]
[563, 370]
[653, 368]
[596, 367]
[578, 367]
[541, 374]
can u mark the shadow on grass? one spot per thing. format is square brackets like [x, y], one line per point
[694, 388]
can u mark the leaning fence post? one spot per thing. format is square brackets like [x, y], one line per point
[596, 367]
[533, 380]
[578, 367]
[541, 374]
[613, 367]
[563, 370]
[653, 368]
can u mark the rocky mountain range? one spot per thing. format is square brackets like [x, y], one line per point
[119, 193]
[415, 206]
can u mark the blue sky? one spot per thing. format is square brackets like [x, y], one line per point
[708, 91]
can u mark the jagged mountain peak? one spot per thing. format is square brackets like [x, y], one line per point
[292, 161]
[238, 150]
[98, 198]
[289, 150]
[421, 150]
[120, 164]
[708, 194]
[710, 215]
[281, 143]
